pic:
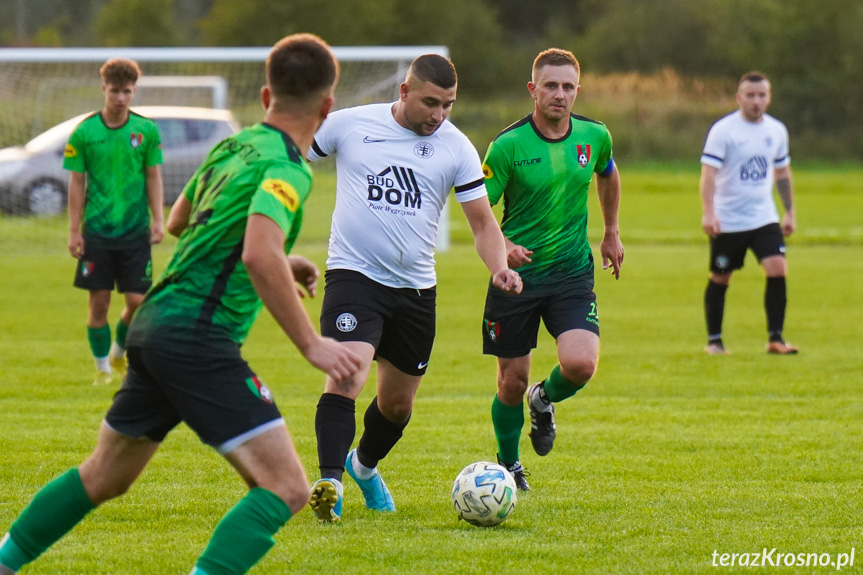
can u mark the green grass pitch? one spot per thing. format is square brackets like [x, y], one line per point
[666, 456]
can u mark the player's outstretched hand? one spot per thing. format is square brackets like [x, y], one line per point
[305, 273]
[157, 232]
[76, 244]
[508, 281]
[333, 358]
[612, 253]
[517, 256]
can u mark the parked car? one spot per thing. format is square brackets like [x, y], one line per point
[33, 181]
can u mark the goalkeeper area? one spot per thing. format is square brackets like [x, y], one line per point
[42, 87]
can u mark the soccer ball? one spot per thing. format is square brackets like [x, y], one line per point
[484, 494]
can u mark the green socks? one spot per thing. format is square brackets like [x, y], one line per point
[244, 535]
[100, 340]
[508, 421]
[558, 388]
[122, 330]
[56, 509]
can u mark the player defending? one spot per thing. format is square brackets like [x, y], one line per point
[744, 152]
[239, 215]
[396, 164]
[542, 166]
[114, 158]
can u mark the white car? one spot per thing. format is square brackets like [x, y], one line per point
[33, 181]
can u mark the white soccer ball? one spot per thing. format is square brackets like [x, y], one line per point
[484, 494]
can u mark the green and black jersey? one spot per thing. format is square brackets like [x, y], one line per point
[116, 212]
[544, 185]
[205, 298]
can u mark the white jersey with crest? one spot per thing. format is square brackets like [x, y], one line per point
[745, 153]
[391, 187]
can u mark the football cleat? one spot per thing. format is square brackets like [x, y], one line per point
[325, 499]
[518, 474]
[716, 348]
[103, 378]
[374, 489]
[542, 427]
[118, 364]
[781, 348]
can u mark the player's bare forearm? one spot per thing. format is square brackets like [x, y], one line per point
[178, 217]
[488, 238]
[784, 188]
[270, 273]
[76, 197]
[707, 190]
[156, 201]
[611, 248]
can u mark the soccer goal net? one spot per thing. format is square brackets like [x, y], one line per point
[41, 89]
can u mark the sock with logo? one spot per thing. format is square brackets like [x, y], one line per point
[379, 435]
[714, 309]
[775, 300]
[55, 509]
[245, 534]
[508, 421]
[100, 345]
[120, 338]
[558, 388]
[335, 428]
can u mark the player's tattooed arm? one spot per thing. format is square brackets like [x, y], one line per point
[783, 186]
[786, 195]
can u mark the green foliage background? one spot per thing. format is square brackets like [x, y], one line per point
[810, 48]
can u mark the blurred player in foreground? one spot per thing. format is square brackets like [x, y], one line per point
[238, 216]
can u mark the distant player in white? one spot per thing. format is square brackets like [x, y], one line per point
[396, 164]
[744, 153]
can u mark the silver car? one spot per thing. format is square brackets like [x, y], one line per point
[33, 181]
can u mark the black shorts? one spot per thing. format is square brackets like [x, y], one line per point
[398, 322]
[511, 323]
[727, 251]
[218, 396]
[101, 267]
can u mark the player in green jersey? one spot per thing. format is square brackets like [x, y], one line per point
[542, 167]
[114, 158]
[237, 219]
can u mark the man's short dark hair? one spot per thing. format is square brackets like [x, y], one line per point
[555, 57]
[752, 77]
[119, 72]
[301, 66]
[435, 69]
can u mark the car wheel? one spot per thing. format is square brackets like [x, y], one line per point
[46, 198]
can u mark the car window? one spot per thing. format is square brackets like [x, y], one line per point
[178, 132]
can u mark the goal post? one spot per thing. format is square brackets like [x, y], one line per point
[42, 87]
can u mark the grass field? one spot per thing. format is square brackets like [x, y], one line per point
[666, 456]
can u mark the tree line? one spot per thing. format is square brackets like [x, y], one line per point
[811, 49]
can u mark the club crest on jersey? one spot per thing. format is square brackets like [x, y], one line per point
[261, 391]
[136, 139]
[424, 150]
[583, 153]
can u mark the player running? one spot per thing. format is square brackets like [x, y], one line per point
[542, 167]
[239, 216]
[396, 164]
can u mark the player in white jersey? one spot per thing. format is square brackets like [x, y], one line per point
[396, 164]
[744, 153]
